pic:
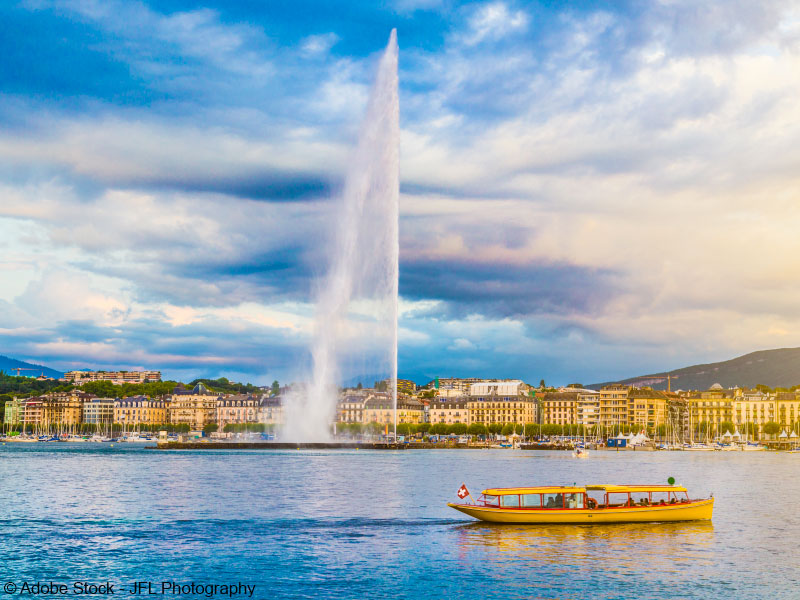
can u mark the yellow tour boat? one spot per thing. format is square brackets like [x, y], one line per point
[588, 504]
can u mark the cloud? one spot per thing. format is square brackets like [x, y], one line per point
[586, 193]
[492, 21]
[315, 45]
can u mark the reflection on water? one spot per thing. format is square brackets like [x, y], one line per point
[627, 543]
[655, 555]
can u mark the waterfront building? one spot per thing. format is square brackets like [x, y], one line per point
[99, 412]
[196, 408]
[502, 402]
[710, 408]
[351, 408]
[270, 410]
[559, 408]
[32, 413]
[12, 412]
[449, 410]
[134, 411]
[63, 410]
[240, 408]
[379, 409]
[613, 405]
[647, 408]
[754, 407]
[788, 409]
[115, 377]
[588, 407]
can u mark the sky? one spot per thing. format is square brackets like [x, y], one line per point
[589, 190]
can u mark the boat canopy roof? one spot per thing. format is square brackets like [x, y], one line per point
[546, 489]
[637, 488]
[559, 489]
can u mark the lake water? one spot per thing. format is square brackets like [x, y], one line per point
[371, 524]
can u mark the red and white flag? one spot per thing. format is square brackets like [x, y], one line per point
[462, 492]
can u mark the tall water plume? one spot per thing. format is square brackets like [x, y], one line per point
[356, 318]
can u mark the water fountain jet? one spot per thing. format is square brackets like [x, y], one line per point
[357, 301]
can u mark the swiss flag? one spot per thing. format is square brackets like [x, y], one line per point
[462, 492]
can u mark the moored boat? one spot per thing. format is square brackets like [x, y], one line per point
[587, 504]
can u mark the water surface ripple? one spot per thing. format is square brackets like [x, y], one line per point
[345, 524]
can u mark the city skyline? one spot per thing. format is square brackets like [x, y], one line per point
[587, 193]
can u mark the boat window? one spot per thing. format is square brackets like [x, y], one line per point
[492, 500]
[573, 500]
[553, 500]
[659, 497]
[618, 499]
[598, 497]
[511, 500]
[640, 498]
[532, 500]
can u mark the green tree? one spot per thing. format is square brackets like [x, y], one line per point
[360, 386]
[771, 428]
[458, 428]
[542, 384]
[532, 429]
[403, 429]
[423, 427]
[508, 429]
[210, 428]
[495, 428]
[725, 426]
[275, 389]
[477, 429]
[661, 430]
[764, 388]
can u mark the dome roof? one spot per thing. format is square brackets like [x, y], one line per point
[716, 386]
[200, 389]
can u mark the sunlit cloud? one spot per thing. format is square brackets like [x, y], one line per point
[586, 194]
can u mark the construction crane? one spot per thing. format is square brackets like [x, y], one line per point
[18, 369]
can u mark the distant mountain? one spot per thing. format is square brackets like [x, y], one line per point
[9, 366]
[775, 368]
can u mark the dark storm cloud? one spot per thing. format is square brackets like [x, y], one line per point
[498, 290]
[272, 187]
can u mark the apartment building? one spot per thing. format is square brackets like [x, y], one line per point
[559, 408]
[115, 377]
[613, 405]
[449, 410]
[236, 409]
[196, 408]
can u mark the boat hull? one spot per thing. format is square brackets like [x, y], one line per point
[700, 510]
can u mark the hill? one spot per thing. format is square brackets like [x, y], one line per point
[775, 368]
[9, 366]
